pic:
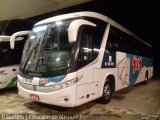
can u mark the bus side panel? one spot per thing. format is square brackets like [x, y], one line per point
[129, 69]
[116, 64]
[86, 93]
[123, 70]
[150, 72]
[104, 73]
[87, 88]
[7, 74]
[138, 68]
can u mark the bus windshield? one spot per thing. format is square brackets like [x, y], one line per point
[48, 48]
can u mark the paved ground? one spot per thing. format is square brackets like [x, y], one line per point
[128, 104]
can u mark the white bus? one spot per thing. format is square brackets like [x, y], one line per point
[74, 58]
[10, 58]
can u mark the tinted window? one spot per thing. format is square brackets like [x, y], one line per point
[120, 41]
[99, 32]
[117, 41]
[91, 39]
[9, 56]
[86, 46]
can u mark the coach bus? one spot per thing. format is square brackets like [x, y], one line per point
[74, 58]
[10, 58]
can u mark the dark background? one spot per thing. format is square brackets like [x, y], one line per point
[142, 17]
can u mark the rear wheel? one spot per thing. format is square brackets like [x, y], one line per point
[146, 78]
[107, 93]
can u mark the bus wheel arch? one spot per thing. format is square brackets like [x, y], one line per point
[108, 89]
[111, 80]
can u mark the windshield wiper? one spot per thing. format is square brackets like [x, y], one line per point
[31, 51]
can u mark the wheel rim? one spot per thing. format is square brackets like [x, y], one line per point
[107, 90]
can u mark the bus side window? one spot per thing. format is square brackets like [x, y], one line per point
[87, 37]
[9, 56]
[6, 54]
[86, 46]
[97, 42]
[112, 44]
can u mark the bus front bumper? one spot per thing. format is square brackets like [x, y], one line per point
[64, 97]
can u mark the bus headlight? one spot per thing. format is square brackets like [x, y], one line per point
[64, 84]
[57, 86]
[71, 82]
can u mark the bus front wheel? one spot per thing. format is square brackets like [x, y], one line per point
[107, 93]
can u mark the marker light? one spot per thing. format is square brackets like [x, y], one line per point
[40, 28]
[59, 23]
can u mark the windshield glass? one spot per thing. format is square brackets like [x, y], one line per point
[48, 48]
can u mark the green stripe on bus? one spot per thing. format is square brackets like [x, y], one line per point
[13, 83]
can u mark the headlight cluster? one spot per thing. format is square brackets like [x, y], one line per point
[64, 84]
[55, 87]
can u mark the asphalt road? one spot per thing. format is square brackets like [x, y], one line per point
[133, 103]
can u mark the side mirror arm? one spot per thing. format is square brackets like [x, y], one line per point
[13, 37]
[74, 27]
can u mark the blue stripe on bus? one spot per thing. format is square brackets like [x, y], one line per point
[56, 79]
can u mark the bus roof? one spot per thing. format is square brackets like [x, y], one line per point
[90, 14]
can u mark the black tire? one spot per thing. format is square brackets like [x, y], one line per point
[146, 78]
[107, 93]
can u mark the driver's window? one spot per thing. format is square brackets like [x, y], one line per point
[86, 46]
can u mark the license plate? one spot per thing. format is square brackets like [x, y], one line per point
[34, 97]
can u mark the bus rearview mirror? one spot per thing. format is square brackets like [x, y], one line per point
[14, 38]
[74, 28]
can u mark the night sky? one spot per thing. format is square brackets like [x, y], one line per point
[142, 17]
